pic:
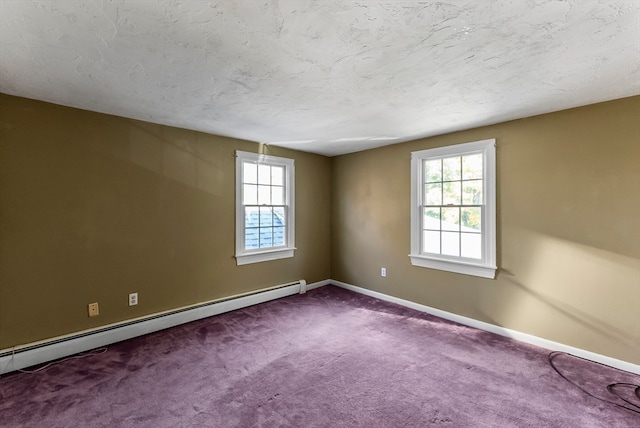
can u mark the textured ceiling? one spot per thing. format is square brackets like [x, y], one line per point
[326, 76]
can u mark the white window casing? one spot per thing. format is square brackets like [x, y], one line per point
[253, 243]
[434, 236]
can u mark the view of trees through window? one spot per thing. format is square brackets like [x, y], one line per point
[452, 206]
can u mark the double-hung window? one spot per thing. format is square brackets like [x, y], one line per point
[453, 208]
[264, 208]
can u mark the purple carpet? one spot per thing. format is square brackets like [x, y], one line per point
[328, 358]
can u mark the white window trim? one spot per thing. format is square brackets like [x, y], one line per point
[485, 268]
[244, 256]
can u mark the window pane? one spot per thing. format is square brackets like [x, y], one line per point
[451, 193]
[471, 219]
[251, 238]
[277, 175]
[249, 194]
[251, 217]
[279, 216]
[472, 192]
[431, 242]
[264, 195]
[250, 173]
[433, 171]
[451, 243]
[431, 219]
[278, 236]
[472, 166]
[451, 169]
[266, 216]
[451, 219]
[472, 245]
[433, 194]
[264, 174]
[266, 237]
[277, 195]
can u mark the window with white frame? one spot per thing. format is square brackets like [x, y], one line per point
[264, 208]
[453, 208]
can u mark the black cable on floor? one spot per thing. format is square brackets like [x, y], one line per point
[612, 387]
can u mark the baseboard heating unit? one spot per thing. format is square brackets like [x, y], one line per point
[20, 357]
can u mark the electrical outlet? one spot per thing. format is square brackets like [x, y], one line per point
[93, 309]
[133, 299]
[383, 271]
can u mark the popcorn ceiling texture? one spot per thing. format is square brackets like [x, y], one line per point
[329, 77]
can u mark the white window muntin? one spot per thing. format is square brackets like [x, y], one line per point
[286, 207]
[486, 265]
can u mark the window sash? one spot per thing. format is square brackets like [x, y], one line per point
[267, 226]
[461, 230]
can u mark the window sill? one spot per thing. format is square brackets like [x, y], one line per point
[265, 256]
[482, 271]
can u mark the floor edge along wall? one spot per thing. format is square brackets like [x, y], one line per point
[32, 354]
[492, 328]
[41, 352]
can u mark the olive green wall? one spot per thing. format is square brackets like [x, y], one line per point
[93, 207]
[568, 228]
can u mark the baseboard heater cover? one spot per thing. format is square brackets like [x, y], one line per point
[35, 353]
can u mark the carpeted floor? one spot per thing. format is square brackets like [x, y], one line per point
[329, 358]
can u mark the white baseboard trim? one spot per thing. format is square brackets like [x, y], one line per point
[35, 353]
[502, 331]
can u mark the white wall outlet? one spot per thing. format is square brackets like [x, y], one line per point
[383, 271]
[133, 299]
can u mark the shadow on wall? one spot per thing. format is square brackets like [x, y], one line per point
[589, 285]
[196, 159]
[187, 160]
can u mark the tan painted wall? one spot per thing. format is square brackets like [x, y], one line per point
[93, 207]
[568, 228]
